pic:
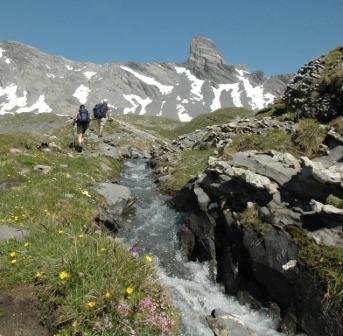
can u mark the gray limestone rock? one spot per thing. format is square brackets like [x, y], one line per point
[7, 232]
[118, 197]
[225, 324]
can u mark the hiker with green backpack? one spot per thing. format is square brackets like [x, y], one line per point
[81, 120]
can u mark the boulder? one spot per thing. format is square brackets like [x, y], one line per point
[279, 167]
[118, 197]
[7, 232]
[225, 324]
[44, 169]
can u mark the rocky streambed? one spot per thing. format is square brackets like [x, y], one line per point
[268, 224]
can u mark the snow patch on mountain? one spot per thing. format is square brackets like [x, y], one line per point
[13, 100]
[182, 113]
[69, 67]
[235, 94]
[196, 84]
[89, 74]
[136, 102]
[21, 101]
[81, 93]
[40, 105]
[8, 60]
[164, 89]
[159, 114]
[1, 52]
[259, 99]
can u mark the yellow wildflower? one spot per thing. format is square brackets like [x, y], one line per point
[148, 258]
[102, 249]
[13, 262]
[60, 231]
[26, 244]
[75, 324]
[91, 304]
[39, 274]
[13, 254]
[81, 235]
[86, 193]
[107, 295]
[63, 275]
[129, 290]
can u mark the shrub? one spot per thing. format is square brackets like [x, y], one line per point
[274, 139]
[309, 136]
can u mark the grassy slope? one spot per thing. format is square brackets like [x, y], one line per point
[192, 162]
[58, 210]
[158, 126]
[220, 116]
[170, 129]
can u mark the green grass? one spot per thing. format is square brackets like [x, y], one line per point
[191, 163]
[335, 201]
[58, 210]
[274, 139]
[326, 262]
[309, 136]
[333, 69]
[158, 126]
[251, 216]
[277, 109]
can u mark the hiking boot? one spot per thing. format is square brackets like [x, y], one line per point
[79, 148]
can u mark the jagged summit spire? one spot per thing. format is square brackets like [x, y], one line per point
[205, 60]
[203, 50]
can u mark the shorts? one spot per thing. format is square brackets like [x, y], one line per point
[101, 121]
[82, 128]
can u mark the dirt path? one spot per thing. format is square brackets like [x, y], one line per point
[19, 312]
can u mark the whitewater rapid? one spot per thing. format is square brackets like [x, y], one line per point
[153, 228]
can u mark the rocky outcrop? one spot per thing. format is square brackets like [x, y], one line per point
[243, 215]
[217, 136]
[316, 90]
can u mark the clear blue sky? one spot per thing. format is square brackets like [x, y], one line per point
[276, 36]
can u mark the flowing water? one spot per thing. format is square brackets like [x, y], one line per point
[153, 228]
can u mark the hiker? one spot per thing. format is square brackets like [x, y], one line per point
[81, 119]
[101, 114]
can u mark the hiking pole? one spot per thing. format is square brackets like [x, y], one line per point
[72, 144]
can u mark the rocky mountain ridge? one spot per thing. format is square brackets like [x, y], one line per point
[32, 81]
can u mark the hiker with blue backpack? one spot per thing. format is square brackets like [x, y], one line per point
[100, 112]
[81, 119]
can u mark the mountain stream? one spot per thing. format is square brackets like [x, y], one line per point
[153, 228]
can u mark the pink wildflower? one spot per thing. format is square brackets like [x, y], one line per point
[123, 309]
[134, 251]
[147, 304]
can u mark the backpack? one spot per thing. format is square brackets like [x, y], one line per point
[83, 117]
[97, 111]
[103, 111]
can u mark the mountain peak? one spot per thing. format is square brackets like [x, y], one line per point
[203, 50]
[205, 60]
